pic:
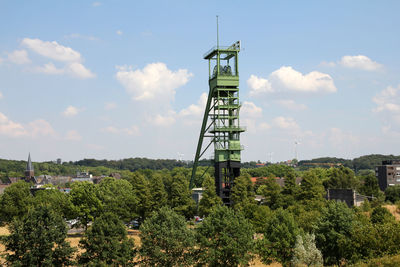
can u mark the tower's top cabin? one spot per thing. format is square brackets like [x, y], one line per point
[223, 64]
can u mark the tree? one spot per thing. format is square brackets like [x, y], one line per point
[56, 200]
[209, 198]
[180, 199]
[166, 240]
[38, 239]
[141, 190]
[242, 193]
[381, 215]
[279, 237]
[158, 193]
[332, 230]
[106, 243]
[87, 204]
[341, 177]
[117, 197]
[272, 193]
[370, 186]
[290, 190]
[305, 252]
[225, 238]
[393, 193]
[311, 187]
[15, 201]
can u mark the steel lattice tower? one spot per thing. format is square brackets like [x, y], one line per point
[221, 118]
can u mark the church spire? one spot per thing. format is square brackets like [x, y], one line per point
[29, 166]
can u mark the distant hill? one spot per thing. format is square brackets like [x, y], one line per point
[368, 162]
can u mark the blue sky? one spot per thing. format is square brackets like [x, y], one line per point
[118, 79]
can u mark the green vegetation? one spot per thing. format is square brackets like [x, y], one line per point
[291, 223]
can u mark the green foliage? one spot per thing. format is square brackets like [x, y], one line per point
[209, 199]
[280, 234]
[56, 200]
[370, 186]
[141, 190]
[158, 193]
[166, 240]
[242, 193]
[332, 230]
[84, 198]
[106, 243]
[305, 252]
[15, 201]
[38, 239]
[225, 238]
[311, 187]
[277, 170]
[179, 197]
[381, 215]
[260, 217]
[272, 193]
[341, 177]
[117, 197]
[393, 193]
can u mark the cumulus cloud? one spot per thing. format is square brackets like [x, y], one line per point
[133, 130]
[360, 62]
[10, 128]
[164, 120]
[33, 129]
[71, 111]
[71, 59]
[292, 80]
[52, 50]
[388, 100]
[258, 85]
[288, 79]
[154, 81]
[250, 110]
[73, 135]
[40, 128]
[195, 110]
[19, 57]
[291, 105]
[286, 123]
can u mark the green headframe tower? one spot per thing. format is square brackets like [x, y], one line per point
[221, 118]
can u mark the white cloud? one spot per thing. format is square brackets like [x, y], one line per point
[164, 120]
[195, 110]
[71, 111]
[289, 79]
[40, 128]
[250, 110]
[338, 138]
[388, 100]
[291, 105]
[19, 57]
[258, 85]
[52, 50]
[110, 106]
[155, 81]
[49, 68]
[10, 128]
[119, 32]
[33, 129]
[73, 135]
[78, 70]
[133, 130]
[286, 123]
[360, 62]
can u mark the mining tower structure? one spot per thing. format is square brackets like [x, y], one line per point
[221, 119]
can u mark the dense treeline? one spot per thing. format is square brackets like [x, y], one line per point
[368, 162]
[294, 224]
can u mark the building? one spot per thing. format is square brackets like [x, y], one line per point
[348, 196]
[388, 174]
[29, 172]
